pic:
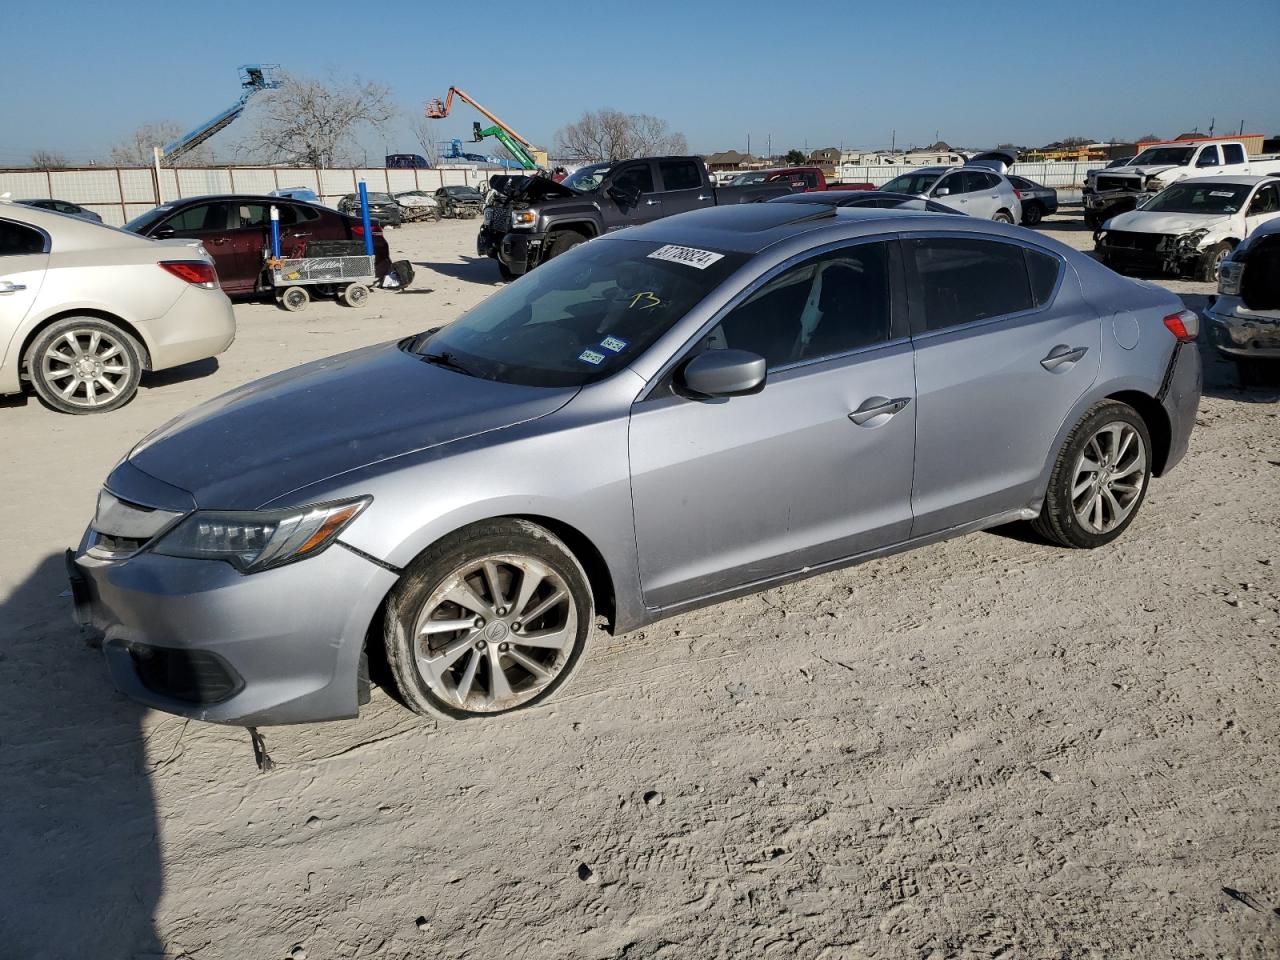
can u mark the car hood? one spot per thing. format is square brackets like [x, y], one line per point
[1145, 170]
[536, 188]
[295, 428]
[1144, 221]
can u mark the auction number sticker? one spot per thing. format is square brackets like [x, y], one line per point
[615, 344]
[593, 357]
[689, 256]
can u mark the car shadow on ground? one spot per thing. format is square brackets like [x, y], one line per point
[471, 269]
[82, 870]
[197, 370]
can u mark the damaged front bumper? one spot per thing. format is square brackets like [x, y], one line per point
[1239, 333]
[519, 252]
[1177, 254]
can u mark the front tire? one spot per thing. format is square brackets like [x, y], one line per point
[493, 618]
[293, 299]
[563, 242]
[1099, 480]
[1212, 262]
[84, 365]
[355, 295]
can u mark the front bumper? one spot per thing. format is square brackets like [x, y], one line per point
[1239, 334]
[518, 252]
[199, 639]
[1165, 253]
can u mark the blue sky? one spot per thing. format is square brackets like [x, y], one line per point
[974, 73]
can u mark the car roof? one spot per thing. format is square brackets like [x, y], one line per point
[1237, 181]
[68, 232]
[833, 198]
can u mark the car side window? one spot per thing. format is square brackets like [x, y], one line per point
[636, 177]
[17, 240]
[963, 279]
[953, 183]
[1232, 153]
[822, 307]
[1266, 200]
[1208, 157]
[679, 174]
[1043, 271]
[202, 216]
[250, 215]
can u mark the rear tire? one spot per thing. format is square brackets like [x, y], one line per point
[1086, 507]
[474, 627]
[1003, 216]
[355, 295]
[1032, 213]
[84, 365]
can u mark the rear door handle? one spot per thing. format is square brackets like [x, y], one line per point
[652, 203]
[217, 241]
[8, 286]
[703, 196]
[1063, 356]
[877, 407]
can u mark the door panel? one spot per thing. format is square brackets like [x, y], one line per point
[21, 276]
[206, 222]
[988, 409]
[728, 492]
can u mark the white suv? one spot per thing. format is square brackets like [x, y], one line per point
[84, 308]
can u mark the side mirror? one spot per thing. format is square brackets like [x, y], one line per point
[724, 373]
[942, 192]
[624, 196]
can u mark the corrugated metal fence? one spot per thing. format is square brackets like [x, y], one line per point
[118, 194]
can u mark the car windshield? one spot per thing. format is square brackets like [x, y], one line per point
[1219, 198]
[378, 197]
[743, 179]
[1122, 162]
[1173, 156]
[586, 179]
[582, 316]
[143, 222]
[462, 191]
[912, 183]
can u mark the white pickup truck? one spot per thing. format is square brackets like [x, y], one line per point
[1112, 191]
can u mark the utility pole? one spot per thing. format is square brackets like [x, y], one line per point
[893, 141]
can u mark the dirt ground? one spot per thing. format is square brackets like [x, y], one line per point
[985, 748]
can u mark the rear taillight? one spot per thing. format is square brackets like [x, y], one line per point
[1017, 193]
[196, 272]
[358, 229]
[1185, 325]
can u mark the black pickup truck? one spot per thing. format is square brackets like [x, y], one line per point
[529, 220]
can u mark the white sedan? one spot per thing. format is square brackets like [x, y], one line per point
[84, 308]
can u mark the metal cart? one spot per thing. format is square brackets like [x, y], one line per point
[347, 277]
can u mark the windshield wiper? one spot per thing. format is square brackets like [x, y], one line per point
[448, 360]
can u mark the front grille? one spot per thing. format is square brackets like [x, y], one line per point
[1118, 183]
[501, 220]
[1125, 240]
[194, 676]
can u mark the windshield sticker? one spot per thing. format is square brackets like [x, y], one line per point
[689, 256]
[1221, 193]
[593, 357]
[645, 301]
[616, 344]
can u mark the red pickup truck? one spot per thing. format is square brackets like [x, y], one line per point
[800, 179]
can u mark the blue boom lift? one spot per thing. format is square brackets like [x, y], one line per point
[253, 78]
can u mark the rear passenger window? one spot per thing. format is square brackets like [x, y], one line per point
[680, 175]
[17, 240]
[1232, 153]
[964, 279]
[1043, 270]
[826, 306]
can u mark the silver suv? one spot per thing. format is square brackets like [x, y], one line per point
[973, 190]
[665, 417]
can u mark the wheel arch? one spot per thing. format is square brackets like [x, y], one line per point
[96, 313]
[584, 227]
[1157, 421]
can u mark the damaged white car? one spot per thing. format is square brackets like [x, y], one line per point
[1189, 227]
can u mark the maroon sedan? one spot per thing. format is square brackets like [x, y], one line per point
[236, 230]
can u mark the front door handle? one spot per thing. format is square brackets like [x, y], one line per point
[1063, 356]
[877, 407]
[703, 196]
[652, 203]
[8, 286]
[217, 241]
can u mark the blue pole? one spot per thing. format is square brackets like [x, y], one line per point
[275, 232]
[364, 216]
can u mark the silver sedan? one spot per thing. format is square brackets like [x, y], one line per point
[667, 417]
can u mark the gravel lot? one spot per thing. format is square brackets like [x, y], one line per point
[985, 748]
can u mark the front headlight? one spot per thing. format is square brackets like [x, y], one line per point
[254, 540]
[1229, 277]
[1189, 241]
[523, 218]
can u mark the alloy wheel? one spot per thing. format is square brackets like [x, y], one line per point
[86, 368]
[495, 633]
[1108, 478]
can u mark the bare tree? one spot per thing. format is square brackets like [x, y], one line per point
[48, 160]
[138, 149]
[422, 132]
[314, 123]
[609, 134]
